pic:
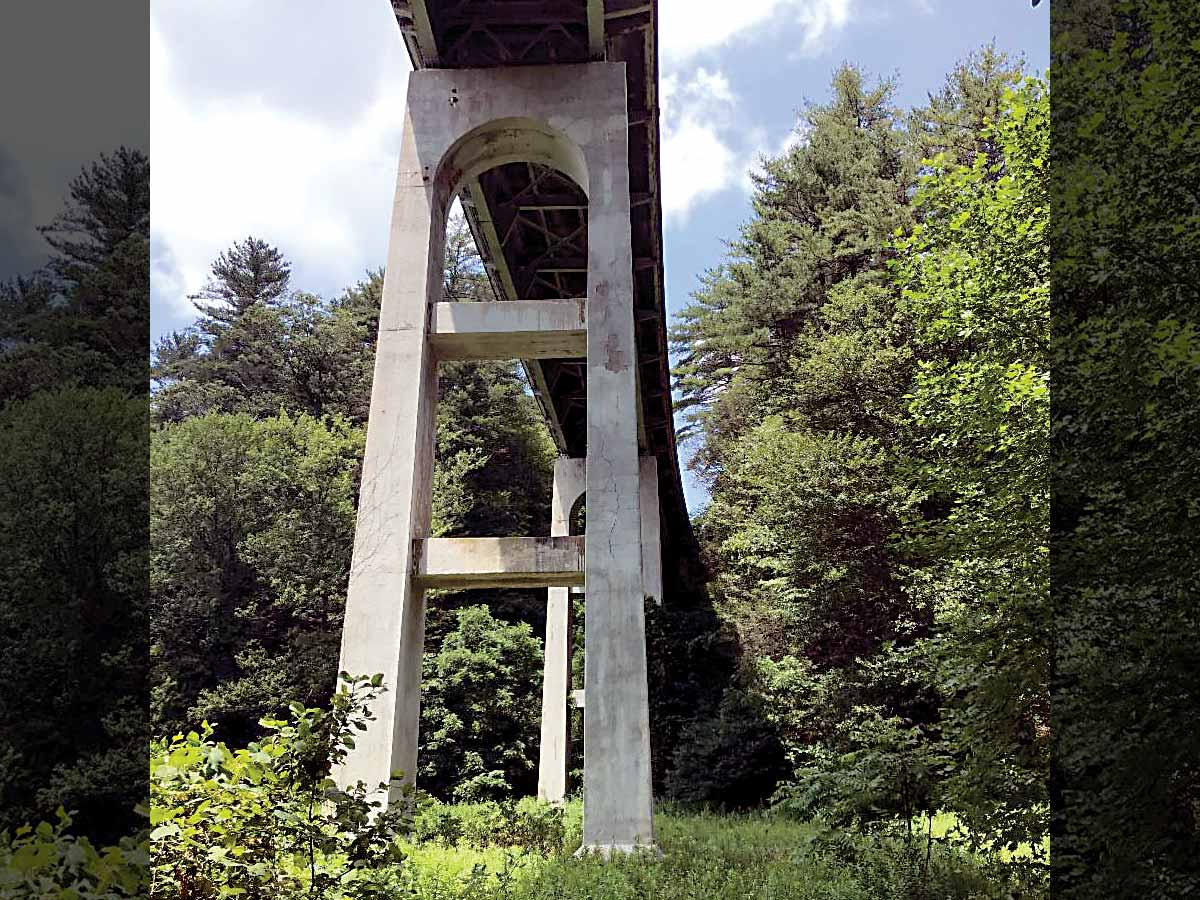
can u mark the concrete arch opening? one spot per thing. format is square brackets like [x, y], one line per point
[510, 140]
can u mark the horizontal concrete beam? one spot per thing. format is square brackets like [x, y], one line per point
[510, 329]
[577, 699]
[498, 562]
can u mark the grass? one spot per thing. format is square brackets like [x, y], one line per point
[705, 856]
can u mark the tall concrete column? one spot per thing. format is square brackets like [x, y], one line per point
[384, 630]
[618, 802]
[555, 751]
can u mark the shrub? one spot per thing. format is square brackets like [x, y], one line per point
[890, 769]
[480, 709]
[890, 865]
[525, 824]
[268, 820]
[47, 861]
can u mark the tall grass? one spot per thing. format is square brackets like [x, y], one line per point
[705, 856]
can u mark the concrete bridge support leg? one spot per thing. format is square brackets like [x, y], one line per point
[618, 801]
[555, 751]
[384, 627]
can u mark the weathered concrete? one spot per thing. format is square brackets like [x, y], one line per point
[460, 123]
[464, 563]
[618, 800]
[569, 483]
[555, 750]
[516, 329]
[384, 627]
[652, 571]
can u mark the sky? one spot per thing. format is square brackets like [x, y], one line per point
[282, 119]
[54, 120]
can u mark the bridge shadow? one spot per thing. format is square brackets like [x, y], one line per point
[712, 743]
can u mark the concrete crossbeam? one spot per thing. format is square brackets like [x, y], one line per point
[525, 562]
[510, 329]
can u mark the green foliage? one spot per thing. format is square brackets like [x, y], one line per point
[729, 760]
[1127, 475]
[705, 856]
[73, 547]
[868, 380]
[495, 456]
[249, 273]
[48, 861]
[261, 409]
[976, 286]
[891, 770]
[267, 819]
[793, 364]
[73, 438]
[479, 714]
[251, 527]
[906, 863]
[526, 824]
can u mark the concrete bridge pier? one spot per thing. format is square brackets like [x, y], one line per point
[460, 123]
[557, 694]
[555, 748]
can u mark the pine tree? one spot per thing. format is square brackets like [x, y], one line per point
[823, 213]
[249, 272]
[954, 119]
[108, 203]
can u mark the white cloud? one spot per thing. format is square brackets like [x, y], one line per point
[705, 150]
[233, 165]
[247, 140]
[688, 27]
[707, 145]
[797, 137]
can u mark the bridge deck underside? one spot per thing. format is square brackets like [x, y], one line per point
[531, 222]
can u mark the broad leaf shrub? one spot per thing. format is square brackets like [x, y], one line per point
[267, 819]
[47, 861]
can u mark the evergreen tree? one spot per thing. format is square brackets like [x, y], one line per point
[250, 272]
[796, 361]
[108, 203]
[954, 120]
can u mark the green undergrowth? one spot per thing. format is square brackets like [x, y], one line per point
[516, 852]
[946, 825]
